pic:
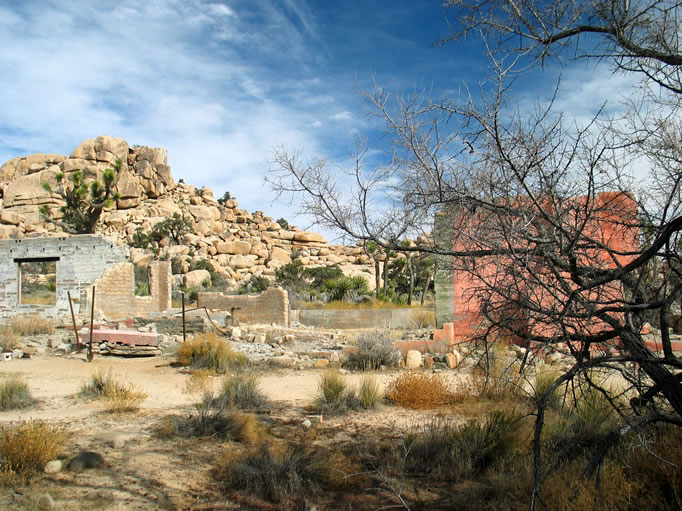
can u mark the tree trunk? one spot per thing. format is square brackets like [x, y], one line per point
[410, 268]
[429, 278]
[377, 277]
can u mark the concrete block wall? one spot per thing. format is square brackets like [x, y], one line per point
[271, 306]
[359, 318]
[115, 291]
[80, 261]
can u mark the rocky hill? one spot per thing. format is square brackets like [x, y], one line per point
[239, 244]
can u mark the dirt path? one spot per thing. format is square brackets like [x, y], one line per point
[150, 473]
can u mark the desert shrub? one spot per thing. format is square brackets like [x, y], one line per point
[117, 396]
[14, 394]
[225, 197]
[334, 395]
[419, 390]
[281, 475]
[208, 351]
[126, 399]
[256, 284]
[446, 450]
[567, 489]
[241, 391]
[212, 417]
[283, 223]
[369, 391]
[141, 239]
[422, 319]
[28, 324]
[9, 339]
[374, 350]
[198, 381]
[102, 383]
[582, 427]
[174, 229]
[495, 378]
[25, 448]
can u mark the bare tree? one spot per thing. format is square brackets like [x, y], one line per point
[567, 232]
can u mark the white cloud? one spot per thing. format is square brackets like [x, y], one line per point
[193, 77]
[341, 116]
[219, 10]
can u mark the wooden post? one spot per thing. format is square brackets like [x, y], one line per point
[184, 328]
[73, 319]
[92, 321]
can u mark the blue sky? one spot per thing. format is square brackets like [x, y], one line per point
[219, 83]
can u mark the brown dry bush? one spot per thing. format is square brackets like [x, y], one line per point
[565, 488]
[422, 319]
[30, 324]
[419, 390]
[25, 448]
[209, 351]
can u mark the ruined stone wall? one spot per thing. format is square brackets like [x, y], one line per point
[271, 306]
[80, 260]
[115, 291]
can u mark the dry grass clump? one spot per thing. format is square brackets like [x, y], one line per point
[14, 393]
[9, 339]
[241, 391]
[284, 474]
[374, 350]
[422, 319]
[19, 326]
[30, 324]
[208, 351]
[449, 451]
[419, 390]
[118, 396]
[25, 448]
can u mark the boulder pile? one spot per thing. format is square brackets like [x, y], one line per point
[238, 244]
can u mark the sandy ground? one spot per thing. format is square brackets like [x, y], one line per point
[149, 473]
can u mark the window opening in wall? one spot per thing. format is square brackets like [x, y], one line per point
[142, 286]
[38, 281]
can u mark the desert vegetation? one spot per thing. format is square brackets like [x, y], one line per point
[116, 395]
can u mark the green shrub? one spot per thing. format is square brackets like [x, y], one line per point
[374, 350]
[256, 284]
[369, 391]
[334, 395]
[283, 223]
[241, 391]
[174, 229]
[582, 427]
[225, 197]
[208, 351]
[14, 394]
[25, 448]
[141, 239]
